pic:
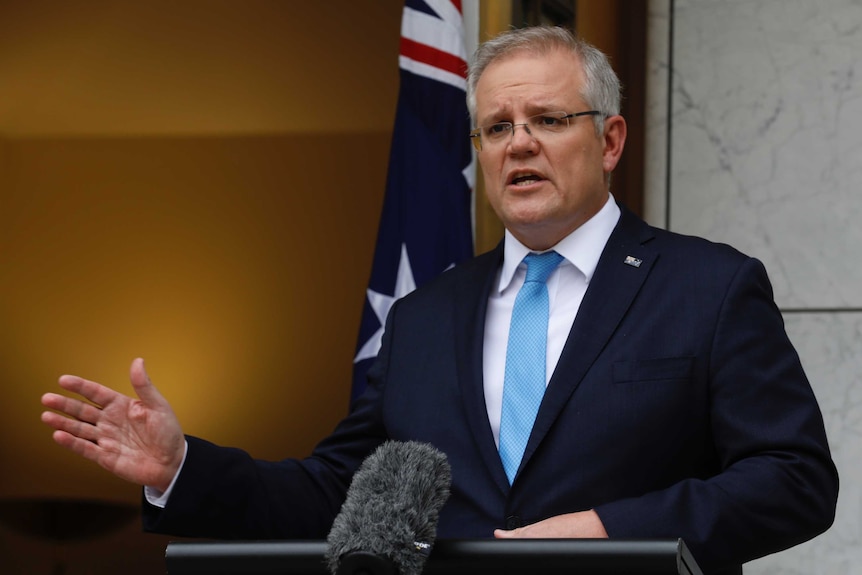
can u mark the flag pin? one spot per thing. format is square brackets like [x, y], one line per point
[633, 261]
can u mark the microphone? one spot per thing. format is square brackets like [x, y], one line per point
[388, 522]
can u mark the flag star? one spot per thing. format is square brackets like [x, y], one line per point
[382, 303]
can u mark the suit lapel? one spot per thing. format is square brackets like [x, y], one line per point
[622, 269]
[471, 304]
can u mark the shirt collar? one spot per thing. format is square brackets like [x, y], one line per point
[581, 248]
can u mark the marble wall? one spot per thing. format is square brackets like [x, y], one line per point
[755, 139]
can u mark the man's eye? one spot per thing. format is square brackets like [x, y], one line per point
[548, 121]
[497, 129]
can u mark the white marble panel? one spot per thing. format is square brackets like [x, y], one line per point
[655, 161]
[830, 346]
[766, 143]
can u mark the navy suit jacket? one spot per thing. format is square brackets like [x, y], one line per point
[678, 408]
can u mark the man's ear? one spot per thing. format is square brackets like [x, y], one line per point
[615, 140]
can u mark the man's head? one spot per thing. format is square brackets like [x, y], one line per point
[546, 165]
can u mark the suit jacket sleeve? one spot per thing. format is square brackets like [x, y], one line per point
[777, 484]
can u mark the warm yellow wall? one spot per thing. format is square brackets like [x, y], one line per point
[198, 183]
[196, 66]
[207, 256]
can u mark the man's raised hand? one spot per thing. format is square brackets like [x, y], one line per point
[139, 440]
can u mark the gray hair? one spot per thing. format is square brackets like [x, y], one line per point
[601, 90]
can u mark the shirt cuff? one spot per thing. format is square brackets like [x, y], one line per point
[158, 498]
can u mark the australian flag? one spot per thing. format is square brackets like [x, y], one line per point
[426, 224]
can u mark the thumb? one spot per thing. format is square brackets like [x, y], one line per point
[142, 385]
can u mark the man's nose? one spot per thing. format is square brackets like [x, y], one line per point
[526, 139]
[526, 127]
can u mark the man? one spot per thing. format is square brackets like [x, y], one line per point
[675, 404]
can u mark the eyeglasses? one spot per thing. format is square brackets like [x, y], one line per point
[541, 127]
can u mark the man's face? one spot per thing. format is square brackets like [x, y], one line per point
[543, 187]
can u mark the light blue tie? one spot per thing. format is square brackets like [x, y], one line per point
[524, 381]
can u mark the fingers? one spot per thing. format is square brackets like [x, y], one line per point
[581, 524]
[72, 427]
[82, 447]
[101, 395]
[76, 408]
[142, 385]
[81, 418]
[92, 391]
[78, 436]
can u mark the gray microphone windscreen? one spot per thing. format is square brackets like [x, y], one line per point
[392, 507]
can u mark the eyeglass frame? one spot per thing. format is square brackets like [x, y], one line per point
[476, 133]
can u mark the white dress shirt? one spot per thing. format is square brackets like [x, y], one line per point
[566, 287]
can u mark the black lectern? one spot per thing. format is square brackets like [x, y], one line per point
[449, 557]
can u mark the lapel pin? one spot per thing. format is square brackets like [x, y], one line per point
[633, 261]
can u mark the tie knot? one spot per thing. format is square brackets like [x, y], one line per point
[540, 266]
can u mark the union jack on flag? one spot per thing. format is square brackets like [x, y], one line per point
[426, 224]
